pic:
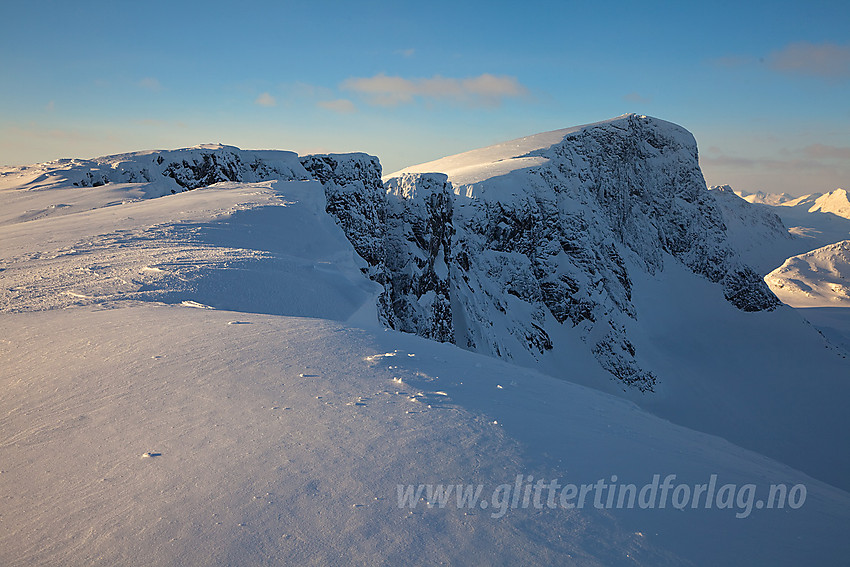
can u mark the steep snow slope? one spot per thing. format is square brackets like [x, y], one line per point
[820, 278]
[756, 233]
[832, 322]
[766, 380]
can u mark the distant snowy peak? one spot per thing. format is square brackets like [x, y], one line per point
[760, 197]
[836, 202]
[820, 278]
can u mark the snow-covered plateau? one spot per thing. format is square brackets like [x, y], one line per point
[213, 356]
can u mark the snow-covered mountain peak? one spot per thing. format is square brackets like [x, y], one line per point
[529, 151]
[836, 202]
[547, 233]
[762, 198]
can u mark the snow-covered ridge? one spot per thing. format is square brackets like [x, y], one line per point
[836, 202]
[166, 171]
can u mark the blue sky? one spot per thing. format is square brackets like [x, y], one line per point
[764, 86]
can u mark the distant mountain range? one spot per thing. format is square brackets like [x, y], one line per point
[836, 202]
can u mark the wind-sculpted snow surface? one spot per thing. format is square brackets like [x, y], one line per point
[548, 228]
[171, 437]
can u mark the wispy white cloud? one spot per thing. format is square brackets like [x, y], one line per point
[823, 151]
[811, 157]
[410, 52]
[50, 106]
[340, 105]
[637, 97]
[266, 99]
[151, 84]
[483, 90]
[827, 60]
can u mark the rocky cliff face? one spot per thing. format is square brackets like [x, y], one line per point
[419, 243]
[173, 171]
[545, 232]
[355, 198]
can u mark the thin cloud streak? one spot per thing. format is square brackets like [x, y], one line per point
[637, 97]
[482, 91]
[821, 151]
[151, 84]
[826, 60]
[265, 99]
[342, 105]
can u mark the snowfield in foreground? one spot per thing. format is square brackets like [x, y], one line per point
[281, 440]
[201, 378]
